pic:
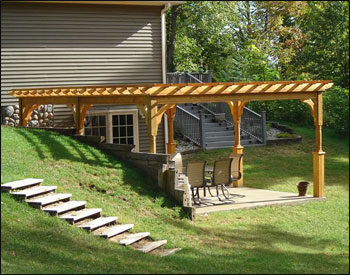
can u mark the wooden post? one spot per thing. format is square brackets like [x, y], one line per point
[171, 145]
[25, 110]
[237, 108]
[152, 125]
[77, 114]
[21, 113]
[318, 154]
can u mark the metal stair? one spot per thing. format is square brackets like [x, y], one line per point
[59, 204]
[217, 134]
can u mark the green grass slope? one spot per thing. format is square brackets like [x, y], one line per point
[309, 238]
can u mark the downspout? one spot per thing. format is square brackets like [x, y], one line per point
[164, 68]
[163, 29]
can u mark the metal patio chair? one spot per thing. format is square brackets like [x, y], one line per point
[196, 178]
[225, 171]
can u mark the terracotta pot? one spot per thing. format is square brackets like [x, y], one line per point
[302, 187]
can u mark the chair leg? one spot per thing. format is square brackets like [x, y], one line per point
[210, 191]
[223, 188]
[193, 196]
[217, 193]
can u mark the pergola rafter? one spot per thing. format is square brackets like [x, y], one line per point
[153, 100]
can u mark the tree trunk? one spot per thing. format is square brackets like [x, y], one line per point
[171, 39]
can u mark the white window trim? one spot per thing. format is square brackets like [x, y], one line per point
[109, 132]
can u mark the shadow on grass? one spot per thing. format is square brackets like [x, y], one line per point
[49, 247]
[53, 145]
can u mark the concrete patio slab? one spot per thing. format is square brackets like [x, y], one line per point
[245, 198]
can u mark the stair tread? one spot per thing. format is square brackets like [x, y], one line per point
[165, 251]
[48, 199]
[114, 230]
[81, 214]
[148, 247]
[64, 207]
[34, 191]
[20, 184]
[99, 222]
[134, 238]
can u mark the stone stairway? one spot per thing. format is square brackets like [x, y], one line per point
[217, 134]
[59, 204]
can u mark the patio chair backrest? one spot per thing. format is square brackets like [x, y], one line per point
[222, 171]
[178, 162]
[196, 173]
[236, 166]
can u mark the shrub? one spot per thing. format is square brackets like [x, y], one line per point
[336, 109]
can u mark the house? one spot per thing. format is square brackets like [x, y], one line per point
[75, 43]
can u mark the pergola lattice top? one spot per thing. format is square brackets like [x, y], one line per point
[174, 90]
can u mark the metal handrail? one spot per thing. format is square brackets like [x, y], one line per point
[190, 124]
[253, 124]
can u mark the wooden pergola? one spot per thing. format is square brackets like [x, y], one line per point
[153, 100]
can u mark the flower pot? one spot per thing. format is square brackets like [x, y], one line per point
[302, 187]
[220, 117]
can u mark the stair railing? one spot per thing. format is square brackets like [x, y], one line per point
[252, 124]
[190, 125]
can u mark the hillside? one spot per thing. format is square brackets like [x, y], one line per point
[310, 238]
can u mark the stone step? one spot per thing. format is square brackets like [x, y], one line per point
[43, 201]
[134, 238]
[64, 207]
[80, 215]
[20, 184]
[97, 223]
[114, 230]
[165, 251]
[149, 246]
[33, 191]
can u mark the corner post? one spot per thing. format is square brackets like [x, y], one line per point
[237, 108]
[318, 154]
[263, 126]
[171, 145]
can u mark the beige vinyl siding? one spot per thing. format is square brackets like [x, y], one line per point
[52, 44]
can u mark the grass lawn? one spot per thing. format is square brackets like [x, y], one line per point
[308, 238]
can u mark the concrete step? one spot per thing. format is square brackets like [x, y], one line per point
[149, 246]
[114, 230]
[134, 238]
[165, 251]
[80, 215]
[64, 207]
[33, 191]
[20, 184]
[97, 223]
[43, 201]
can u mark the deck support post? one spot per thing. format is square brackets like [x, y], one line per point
[25, 110]
[316, 107]
[79, 113]
[152, 125]
[171, 145]
[237, 108]
[318, 154]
